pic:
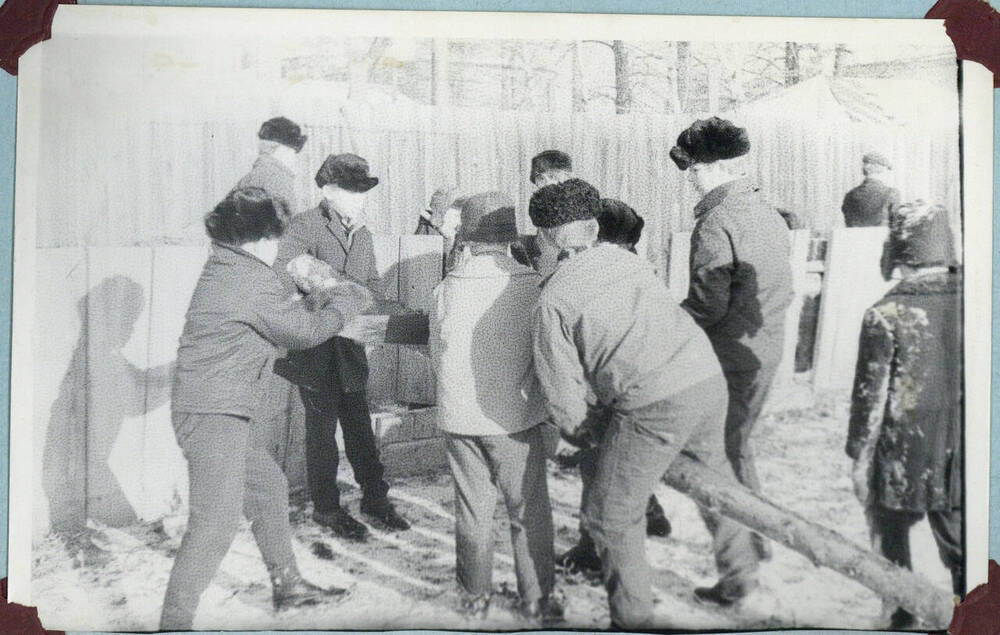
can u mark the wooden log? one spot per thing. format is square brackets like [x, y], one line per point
[822, 546]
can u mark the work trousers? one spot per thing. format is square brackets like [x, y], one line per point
[515, 465]
[747, 390]
[890, 534]
[635, 452]
[323, 411]
[230, 472]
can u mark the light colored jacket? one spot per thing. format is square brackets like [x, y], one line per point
[480, 340]
[606, 325]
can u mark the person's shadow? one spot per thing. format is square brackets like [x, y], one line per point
[99, 391]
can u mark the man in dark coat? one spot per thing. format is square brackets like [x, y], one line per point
[867, 205]
[741, 279]
[279, 142]
[905, 428]
[332, 377]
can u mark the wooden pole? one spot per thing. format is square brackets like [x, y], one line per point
[823, 547]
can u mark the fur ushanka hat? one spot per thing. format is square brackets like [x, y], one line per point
[919, 236]
[619, 224]
[284, 131]
[565, 202]
[708, 140]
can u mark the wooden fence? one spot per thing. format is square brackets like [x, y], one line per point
[104, 445]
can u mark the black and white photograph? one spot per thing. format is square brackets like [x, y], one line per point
[382, 320]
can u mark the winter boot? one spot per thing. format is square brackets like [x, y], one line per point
[382, 511]
[342, 524]
[656, 521]
[724, 593]
[546, 612]
[582, 558]
[474, 605]
[291, 590]
[902, 620]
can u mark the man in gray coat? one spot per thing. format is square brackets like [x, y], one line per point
[605, 325]
[279, 142]
[741, 279]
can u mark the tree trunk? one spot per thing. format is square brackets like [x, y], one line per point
[839, 56]
[440, 93]
[682, 75]
[623, 87]
[579, 102]
[793, 73]
[822, 546]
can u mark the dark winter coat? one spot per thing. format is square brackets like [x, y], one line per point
[741, 279]
[867, 205]
[240, 314]
[275, 178]
[319, 233]
[907, 395]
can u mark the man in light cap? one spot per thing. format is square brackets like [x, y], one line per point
[279, 142]
[481, 347]
[741, 279]
[606, 325]
[332, 377]
[905, 433]
[868, 204]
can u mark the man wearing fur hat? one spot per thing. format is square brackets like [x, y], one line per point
[741, 279]
[279, 142]
[605, 324]
[905, 425]
[868, 204]
[332, 377]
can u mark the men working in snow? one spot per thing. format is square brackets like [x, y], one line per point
[741, 279]
[605, 324]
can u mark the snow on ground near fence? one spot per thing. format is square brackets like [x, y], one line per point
[406, 580]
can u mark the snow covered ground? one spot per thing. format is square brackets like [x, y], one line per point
[114, 579]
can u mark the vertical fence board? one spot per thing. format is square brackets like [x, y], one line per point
[383, 359]
[851, 283]
[679, 265]
[175, 272]
[419, 273]
[798, 257]
[117, 335]
[60, 391]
